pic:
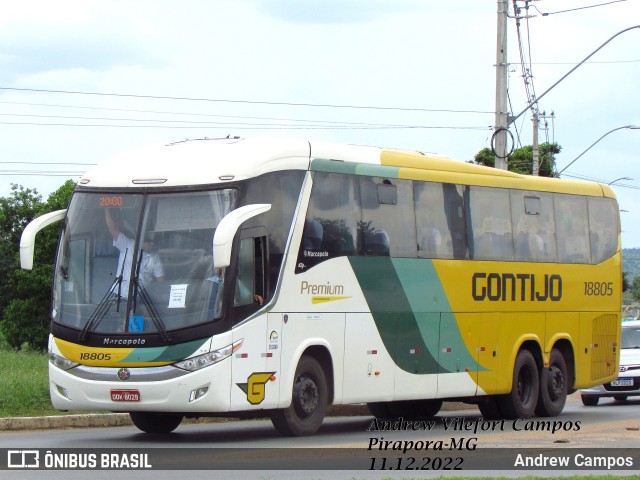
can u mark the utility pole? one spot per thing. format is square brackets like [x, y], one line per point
[501, 119]
[535, 170]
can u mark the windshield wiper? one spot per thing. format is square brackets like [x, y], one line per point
[153, 312]
[105, 304]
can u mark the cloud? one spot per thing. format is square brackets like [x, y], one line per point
[333, 11]
[94, 39]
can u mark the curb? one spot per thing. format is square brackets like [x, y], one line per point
[102, 420]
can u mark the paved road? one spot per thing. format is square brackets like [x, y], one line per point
[610, 425]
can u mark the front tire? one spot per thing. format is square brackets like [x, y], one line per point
[309, 400]
[153, 422]
[589, 401]
[522, 401]
[553, 386]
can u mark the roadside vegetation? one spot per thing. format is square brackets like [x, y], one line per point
[25, 390]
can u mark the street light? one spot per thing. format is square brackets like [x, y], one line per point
[618, 179]
[630, 127]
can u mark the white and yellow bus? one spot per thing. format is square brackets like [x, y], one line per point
[262, 277]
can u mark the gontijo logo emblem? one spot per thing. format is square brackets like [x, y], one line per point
[255, 386]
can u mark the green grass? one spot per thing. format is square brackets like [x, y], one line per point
[25, 384]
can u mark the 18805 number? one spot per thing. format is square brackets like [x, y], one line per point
[598, 289]
[95, 356]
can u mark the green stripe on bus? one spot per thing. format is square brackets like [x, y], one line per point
[393, 315]
[412, 314]
[171, 353]
[365, 169]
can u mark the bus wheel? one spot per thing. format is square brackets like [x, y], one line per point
[308, 401]
[553, 386]
[522, 400]
[489, 408]
[152, 422]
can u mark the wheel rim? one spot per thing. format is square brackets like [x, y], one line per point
[307, 397]
[556, 382]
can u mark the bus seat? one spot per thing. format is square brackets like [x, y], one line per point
[312, 239]
[377, 243]
[338, 241]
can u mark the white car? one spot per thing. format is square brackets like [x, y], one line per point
[628, 382]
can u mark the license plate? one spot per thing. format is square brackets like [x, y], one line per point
[622, 382]
[125, 395]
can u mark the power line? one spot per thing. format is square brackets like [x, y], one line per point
[546, 14]
[227, 126]
[250, 102]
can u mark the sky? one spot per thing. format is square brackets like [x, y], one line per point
[83, 80]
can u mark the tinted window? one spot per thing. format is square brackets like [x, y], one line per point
[439, 220]
[331, 222]
[603, 228]
[489, 224]
[534, 232]
[387, 228]
[572, 229]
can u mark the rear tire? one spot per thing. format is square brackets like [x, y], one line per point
[154, 422]
[308, 401]
[553, 386]
[522, 401]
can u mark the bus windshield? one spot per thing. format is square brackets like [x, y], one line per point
[139, 264]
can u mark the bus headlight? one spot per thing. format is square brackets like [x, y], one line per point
[61, 362]
[196, 363]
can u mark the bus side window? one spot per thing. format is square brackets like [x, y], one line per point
[440, 220]
[573, 229]
[388, 224]
[534, 230]
[331, 221]
[603, 228]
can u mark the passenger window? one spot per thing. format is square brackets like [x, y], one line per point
[489, 224]
[534, 232]
[331, 223]
[439, 220]
[603, 228]
[388, 220]
[572, 228]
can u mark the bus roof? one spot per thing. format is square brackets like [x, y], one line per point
[214, 161]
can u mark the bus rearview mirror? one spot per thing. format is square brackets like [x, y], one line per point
[229, 225]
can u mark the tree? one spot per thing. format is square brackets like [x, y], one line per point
[25, 296]
[521, 159]
[625, 282]
[635, 288]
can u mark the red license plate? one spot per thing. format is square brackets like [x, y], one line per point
[125, 395]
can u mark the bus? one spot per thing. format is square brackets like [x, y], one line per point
[273, 278]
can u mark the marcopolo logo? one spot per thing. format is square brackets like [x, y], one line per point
[512, 287]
